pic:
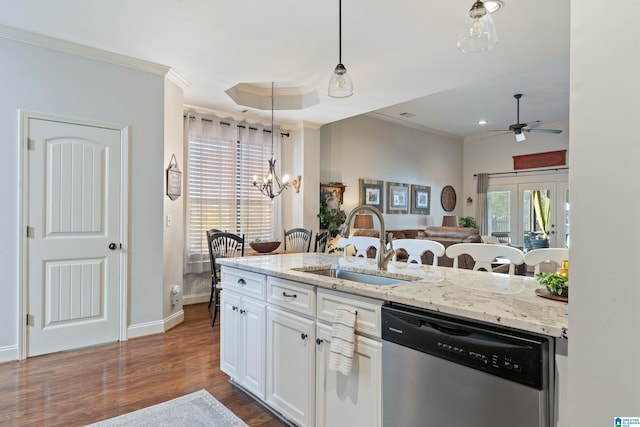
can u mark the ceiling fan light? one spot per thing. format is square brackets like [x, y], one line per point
[479, 32]
[340, 84]
[519, 136]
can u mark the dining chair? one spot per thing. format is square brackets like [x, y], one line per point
[484, 254]
[321, 241]
[361, 244]
[221, 245]
[416, 247]
[538, 256]
[298, 239]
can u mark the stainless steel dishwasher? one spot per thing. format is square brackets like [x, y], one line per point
[440, 370]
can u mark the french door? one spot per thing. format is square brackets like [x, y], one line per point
[511, 211]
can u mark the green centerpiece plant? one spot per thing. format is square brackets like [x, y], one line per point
[467, 221]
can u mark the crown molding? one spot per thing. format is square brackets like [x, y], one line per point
[178, 79]
[85, 51]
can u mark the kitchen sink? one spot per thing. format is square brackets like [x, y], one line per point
[354, 276]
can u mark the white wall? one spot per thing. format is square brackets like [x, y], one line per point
[604, 318]
[50, 81]
[173, 234]
[300, 156]
[369, 148]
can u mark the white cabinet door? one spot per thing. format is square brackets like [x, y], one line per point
[253, 315]
[354, 400]
[230, 331]
[291, 365]
[242, 343]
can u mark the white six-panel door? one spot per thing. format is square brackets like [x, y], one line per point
[74, 235]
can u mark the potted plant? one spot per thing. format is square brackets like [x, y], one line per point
[331, 218]
[467, 221]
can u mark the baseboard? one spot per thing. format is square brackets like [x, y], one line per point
[174, 320]
[195, 299]
[9, 353]
[142, 329]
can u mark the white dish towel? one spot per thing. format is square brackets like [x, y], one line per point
[342, 340]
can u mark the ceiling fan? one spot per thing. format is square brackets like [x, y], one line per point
[518, 128]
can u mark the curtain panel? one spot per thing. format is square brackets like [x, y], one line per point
[223, 157]
[482, 203]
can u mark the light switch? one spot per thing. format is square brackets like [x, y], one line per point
[169, 221]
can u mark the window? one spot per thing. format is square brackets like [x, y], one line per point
[499, 207]
[222, 159]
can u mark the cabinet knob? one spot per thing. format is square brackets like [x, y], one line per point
[241, 282]
[242, 311]
[304, 336]
[234, 308]
[319, 341]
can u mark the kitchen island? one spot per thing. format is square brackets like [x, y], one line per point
[506, 300]
[277, 313]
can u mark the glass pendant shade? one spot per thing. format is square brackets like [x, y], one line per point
[479, 33]
[340, 84]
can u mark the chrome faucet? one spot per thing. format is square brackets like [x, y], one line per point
[383, 256]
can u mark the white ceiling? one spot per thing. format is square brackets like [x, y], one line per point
[401, 55]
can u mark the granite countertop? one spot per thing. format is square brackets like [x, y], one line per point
[489, 297]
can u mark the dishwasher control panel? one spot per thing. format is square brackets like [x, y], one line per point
[513, 355]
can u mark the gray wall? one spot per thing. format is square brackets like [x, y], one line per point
[49, 81]
[369, 148]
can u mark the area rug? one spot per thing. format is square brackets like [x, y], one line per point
[193, 410]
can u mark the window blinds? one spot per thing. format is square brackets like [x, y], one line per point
[223, 158]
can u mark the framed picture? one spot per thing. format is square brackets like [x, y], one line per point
[420, 199]
[174, 179]
[397, 198]
[332, 189]
[372, 193]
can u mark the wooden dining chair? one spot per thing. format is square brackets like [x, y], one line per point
[539, 256]
[221, 245]
[485, 254]
[321, 241]
[298, 239]
[361, 244]
[416, 247]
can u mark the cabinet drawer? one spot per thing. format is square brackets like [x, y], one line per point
[244, 282]
[368, 320]
[297, 297]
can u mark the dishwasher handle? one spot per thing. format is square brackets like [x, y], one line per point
[456, 332]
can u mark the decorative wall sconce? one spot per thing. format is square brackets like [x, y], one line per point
[296, 183]
[469, 200]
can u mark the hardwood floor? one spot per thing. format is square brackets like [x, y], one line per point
[84, 386]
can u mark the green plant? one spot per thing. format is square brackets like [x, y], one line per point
[468, 221]
[330, 219]
[556, 283]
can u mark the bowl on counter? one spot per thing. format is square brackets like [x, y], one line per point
[264, 247]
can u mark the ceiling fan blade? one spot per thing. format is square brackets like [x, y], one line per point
[543, 130]
[532, 125]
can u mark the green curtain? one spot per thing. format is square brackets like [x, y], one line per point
[542, 209]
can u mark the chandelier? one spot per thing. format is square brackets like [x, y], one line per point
[271, 186]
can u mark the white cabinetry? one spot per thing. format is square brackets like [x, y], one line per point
[355, 399]
[242, 329]
[291, 335]
[275, 341]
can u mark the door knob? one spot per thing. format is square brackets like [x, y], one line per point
[112, 246]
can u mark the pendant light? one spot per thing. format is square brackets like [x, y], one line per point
[271, 186]
[340, 84]
[479, 33]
